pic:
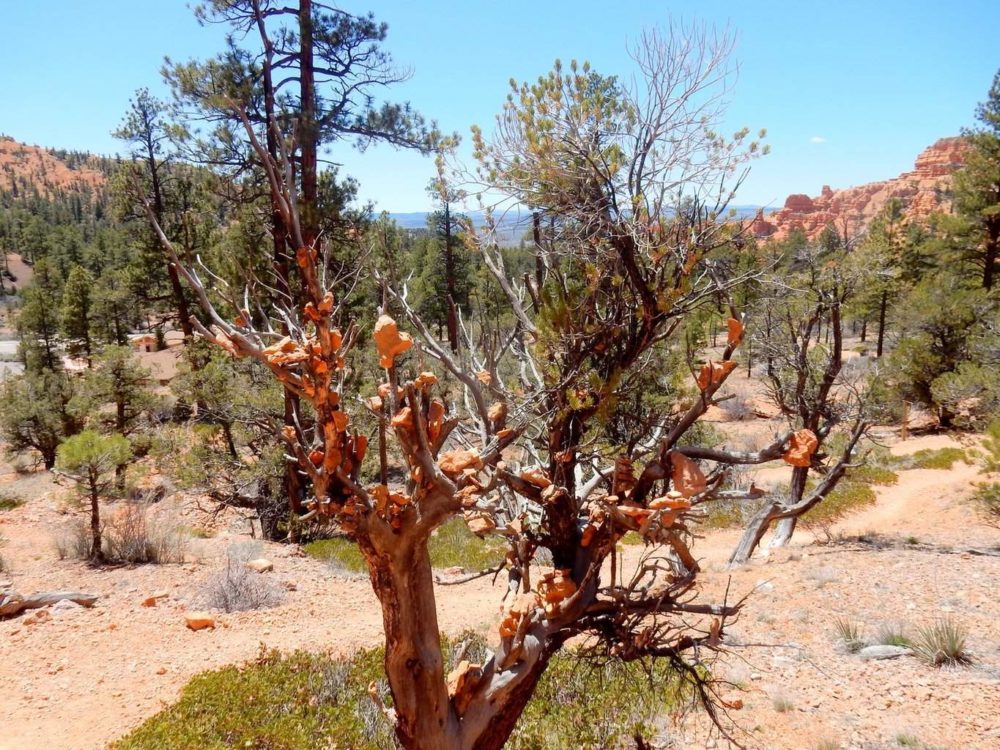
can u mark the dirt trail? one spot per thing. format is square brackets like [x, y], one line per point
[80, 680]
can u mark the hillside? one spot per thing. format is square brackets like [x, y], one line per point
[923, 190]
[27, 170]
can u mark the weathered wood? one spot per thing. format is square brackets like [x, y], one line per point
[13, 603]
[44, 599]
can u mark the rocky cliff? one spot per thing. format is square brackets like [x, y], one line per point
[923, 191]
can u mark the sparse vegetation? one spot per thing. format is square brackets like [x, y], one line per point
[452, 546]
[850, 634]
[130, 534]
[301, 700]
[236, 588]
[942, 644]
[782, 704]
[941, 459]
[9, 500]
[892, 634]
[987, 500]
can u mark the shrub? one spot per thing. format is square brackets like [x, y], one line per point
[133, 535]
[987, 499]
[9, 500]
[452, 545]
[130, 535]
[849, 633]
[236, 588]
[301, 700]
[892, 634]
[942, 459]
[782, 704]
[737, 408]
[942, 644]
[74, 541]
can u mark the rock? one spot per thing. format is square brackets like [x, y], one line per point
[868, 653]
[150, 601]
[38, 616]
[63, 607]
[161, 670]
[290, 586]
[199, 620]
[6, 584]
[923, 191]
[260, 565]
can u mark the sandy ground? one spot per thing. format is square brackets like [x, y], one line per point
[82, 679]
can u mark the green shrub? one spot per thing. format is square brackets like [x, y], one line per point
[942, 644]
[847, 497]
[453, 545]
[942, 459]
[300, 700]
[892, 634]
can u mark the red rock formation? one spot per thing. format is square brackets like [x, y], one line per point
[923, 191]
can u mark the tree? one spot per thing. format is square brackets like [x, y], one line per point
[804, 380]
[883, 252]
[88, 458]
[977, 191]
[35, 413]
[450, 266]
[306, 78]
[38, 321]
[145, 129]
[631, 184]
[75, 312]
[116, 379]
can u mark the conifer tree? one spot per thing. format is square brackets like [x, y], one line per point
[75, 312]
[977, 191]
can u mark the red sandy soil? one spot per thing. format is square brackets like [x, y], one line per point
[84, 678]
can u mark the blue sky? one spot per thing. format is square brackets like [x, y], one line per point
[849, 91]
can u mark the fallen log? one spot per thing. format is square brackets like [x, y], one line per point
[13, 603]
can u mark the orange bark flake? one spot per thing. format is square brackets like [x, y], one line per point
[554, 588]
[686, 477]
[453, 463]
[479, 523]
[522, 607]
[497, 412]
[435, 419]
[403, 418]
[801, 447]
[713, 373]
[425, 379]
[390, 341]
[537, 477]
[735, 332]
[461, 682]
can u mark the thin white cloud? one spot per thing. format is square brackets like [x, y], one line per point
[817, 139]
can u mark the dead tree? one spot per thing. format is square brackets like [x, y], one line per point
[522, 450]
[804, 382]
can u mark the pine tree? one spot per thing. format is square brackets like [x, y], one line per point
[75, 312]
[977, 190]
